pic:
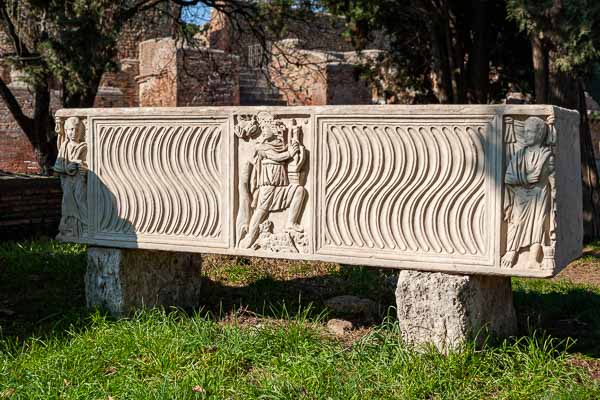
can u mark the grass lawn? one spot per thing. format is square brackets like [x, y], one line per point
[262, 334]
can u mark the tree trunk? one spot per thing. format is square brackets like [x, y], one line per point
[440, 64]
[567, 91]
[540, 68]
[589, 171]
[479, 61]
[45, 147]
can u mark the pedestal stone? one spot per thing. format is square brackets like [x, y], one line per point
[447, 310]
[122, 280]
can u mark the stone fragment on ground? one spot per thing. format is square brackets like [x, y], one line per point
[352, 305]
[339, 327]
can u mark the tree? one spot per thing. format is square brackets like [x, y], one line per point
[565, 42]
[450, 51]
[66, 43]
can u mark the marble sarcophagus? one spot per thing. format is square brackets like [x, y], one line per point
[464, 189]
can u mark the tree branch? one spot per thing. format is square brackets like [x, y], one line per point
[10, 30]
[139, 7]
[15, 109]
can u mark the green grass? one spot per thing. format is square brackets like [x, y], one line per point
[51, 347]
[164, 356]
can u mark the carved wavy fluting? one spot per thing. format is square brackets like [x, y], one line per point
[338, 204]
[405, 188]
[212, 165]
[399, 195]
[340, 168]
[407, 206]
[196, 175]
[397, 157]
[160, 180]
[372, 219]
[360, 184]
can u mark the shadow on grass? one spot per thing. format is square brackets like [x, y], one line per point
[562, 310]
[270, 297]
[42, 294]
[41, 289]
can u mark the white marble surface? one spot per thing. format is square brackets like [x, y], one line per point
[411, 187]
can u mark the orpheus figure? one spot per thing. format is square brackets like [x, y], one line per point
[271, 180]
[72, 167]
[529, 196]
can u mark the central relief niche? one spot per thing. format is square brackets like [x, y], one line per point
[272, 164]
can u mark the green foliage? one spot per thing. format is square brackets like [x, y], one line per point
[570, 28]
[71, 41]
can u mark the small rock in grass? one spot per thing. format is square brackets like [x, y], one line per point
[198, 389]
[339, 326]
[7, 393]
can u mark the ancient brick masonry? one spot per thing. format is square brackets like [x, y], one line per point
[176, 75]
[29, 204]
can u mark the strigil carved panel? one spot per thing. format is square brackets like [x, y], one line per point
[160, 179]
[402, 189]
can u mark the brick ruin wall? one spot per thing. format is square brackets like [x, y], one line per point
[174, 75]
[218, 82]
[323, 32]
[157, 80]
[305, 77]
[29, 205]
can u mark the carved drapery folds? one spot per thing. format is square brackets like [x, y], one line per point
[529, 193]
[71, 165]
[271, 182]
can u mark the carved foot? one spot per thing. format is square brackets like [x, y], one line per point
[508, 260]
[549, 264]
[246, 243]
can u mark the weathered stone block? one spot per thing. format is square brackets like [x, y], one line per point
[122, 280]
[447, 310]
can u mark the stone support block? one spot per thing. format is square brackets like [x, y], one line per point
[122, 280]
[447, 310]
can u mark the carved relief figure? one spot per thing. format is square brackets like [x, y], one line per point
[270, 182]
[529, 197]
[71, 166]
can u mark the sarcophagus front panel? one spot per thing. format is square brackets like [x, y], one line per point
[466, 189]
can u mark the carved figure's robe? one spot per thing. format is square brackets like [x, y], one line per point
[270, 185]
[528, 205]
[70, 164]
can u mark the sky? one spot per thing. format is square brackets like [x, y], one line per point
[198, 14]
